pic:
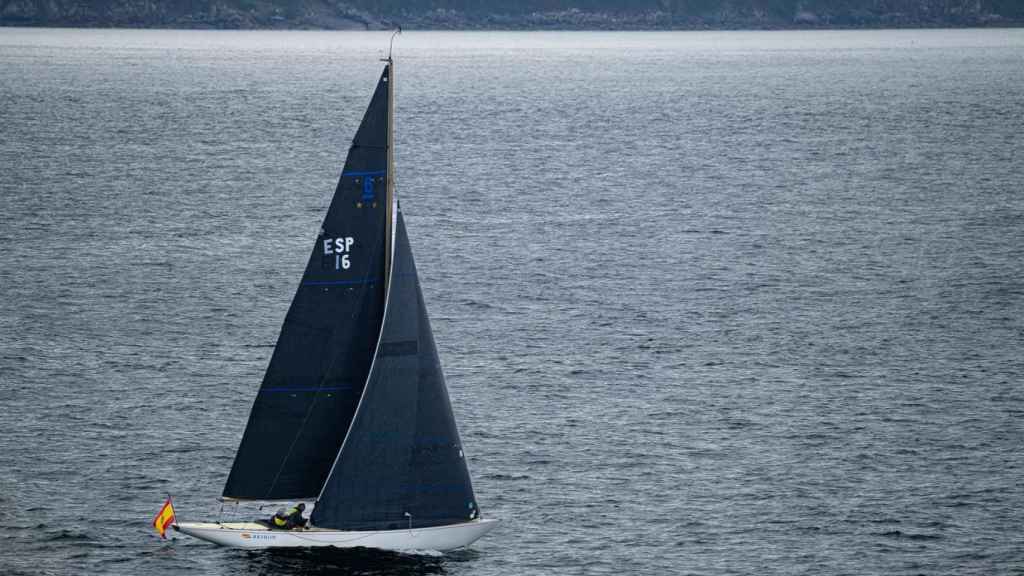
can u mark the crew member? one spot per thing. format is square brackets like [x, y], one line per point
[290, 518]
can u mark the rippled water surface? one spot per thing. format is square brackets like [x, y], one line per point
[711, 303]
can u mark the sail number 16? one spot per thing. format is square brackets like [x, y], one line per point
[340, 248]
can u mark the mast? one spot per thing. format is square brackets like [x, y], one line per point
[389, 177]
[390, 174]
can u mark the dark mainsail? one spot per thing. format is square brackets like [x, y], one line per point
[402, 463]
[317, 372]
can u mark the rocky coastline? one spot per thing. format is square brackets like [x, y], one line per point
[337, 15]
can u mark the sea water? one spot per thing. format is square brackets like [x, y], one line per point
[708, 302]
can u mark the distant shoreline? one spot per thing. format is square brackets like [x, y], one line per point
[692, 28]
[223, 16]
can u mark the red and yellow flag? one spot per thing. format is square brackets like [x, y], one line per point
[164, 518]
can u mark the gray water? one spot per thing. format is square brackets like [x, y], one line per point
[709, 303]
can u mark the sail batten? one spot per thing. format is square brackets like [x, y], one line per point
[321, 361]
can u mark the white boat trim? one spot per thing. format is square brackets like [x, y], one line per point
[250, 535]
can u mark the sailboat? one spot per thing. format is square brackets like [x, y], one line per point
[353, 414]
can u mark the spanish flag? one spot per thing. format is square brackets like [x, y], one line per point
[164, 518]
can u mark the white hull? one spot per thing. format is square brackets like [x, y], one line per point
[250, 535]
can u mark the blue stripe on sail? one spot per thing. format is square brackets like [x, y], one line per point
[363, 173]
[340, 282]
[332, 389]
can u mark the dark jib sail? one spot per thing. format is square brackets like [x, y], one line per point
[402, 463]
[323, 355]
